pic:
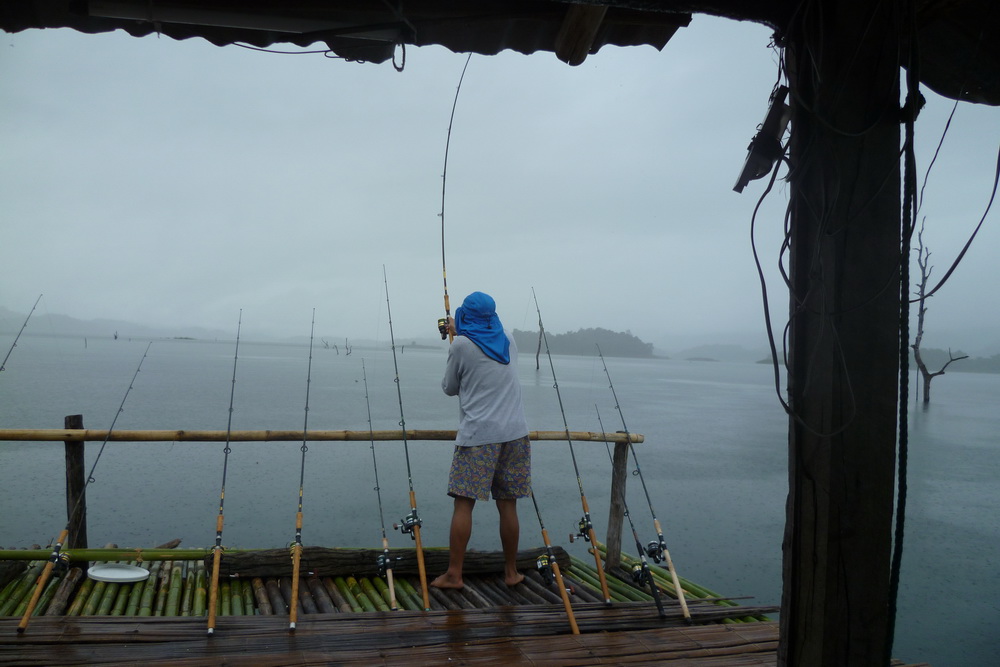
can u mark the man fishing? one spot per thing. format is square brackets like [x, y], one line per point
[492, 450]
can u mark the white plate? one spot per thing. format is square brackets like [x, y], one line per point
[117, 572]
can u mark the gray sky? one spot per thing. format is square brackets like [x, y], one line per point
[169, 182]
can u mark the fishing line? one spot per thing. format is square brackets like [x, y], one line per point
[56, 556]
[549, 568]
[293, 607]
[383, 562]
[409, 524]
[443, 327]
[14, 344]
[641, 572]
[213, 594]
[586, 525]
[657, 550]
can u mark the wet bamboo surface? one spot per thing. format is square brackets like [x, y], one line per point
[346, 619]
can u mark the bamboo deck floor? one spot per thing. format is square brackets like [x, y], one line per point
[508, 630]
[625, 634]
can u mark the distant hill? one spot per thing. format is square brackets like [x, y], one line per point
[585, 341]
[719, 353]
[63, 325]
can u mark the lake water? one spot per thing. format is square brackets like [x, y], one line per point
[714, 459]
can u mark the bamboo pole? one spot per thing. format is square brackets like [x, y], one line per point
[260, 595]
[81, 598]
[42, 580]
[66, 587]
[182, 435]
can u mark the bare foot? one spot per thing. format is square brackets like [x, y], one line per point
[513, 580]
[448, 581]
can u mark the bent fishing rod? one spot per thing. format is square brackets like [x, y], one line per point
[586, 525]
[213, 591]
[57, 557]
[383, 562]
[293, 606]
[409, 524]
[657, 549]
[3, 365]
[549, 568]
[443, 327]
[641, 573]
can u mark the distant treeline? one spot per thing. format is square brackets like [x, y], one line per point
[935, 359]
[584, 342]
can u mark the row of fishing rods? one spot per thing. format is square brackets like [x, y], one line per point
[411, 523]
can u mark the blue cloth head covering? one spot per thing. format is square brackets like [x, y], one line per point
[477, 320]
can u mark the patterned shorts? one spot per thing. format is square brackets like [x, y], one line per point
[503, 469]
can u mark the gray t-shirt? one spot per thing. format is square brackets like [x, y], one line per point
[489, 394]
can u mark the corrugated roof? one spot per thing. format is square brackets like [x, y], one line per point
[959, 40]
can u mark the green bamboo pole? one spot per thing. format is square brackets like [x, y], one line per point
[410, 591]
[121, 599]
[236, 599]
[8, 589]
[134, 596]
[359, 595]
[248, 597]
[187, 597]
[47, 595]
[112, 555]
[662, 576]
[369, 589]
[226, 601]
[200, 594]
[81, 597]
[348, 595]
[107, 599]
[24, 586]
[163, 588]
[622, 590]
[404, 598]
[149, 590]
[176, 588]
[383, 589]
[94, 599]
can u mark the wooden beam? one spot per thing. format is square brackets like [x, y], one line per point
[843, 61]
[578, 31]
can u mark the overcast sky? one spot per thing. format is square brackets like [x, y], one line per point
[168, 182]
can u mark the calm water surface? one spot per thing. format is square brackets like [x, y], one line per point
[714, 459]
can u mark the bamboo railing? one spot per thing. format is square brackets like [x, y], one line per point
[74, 439]
[122, 435]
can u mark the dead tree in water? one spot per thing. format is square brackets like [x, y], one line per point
[923, 257]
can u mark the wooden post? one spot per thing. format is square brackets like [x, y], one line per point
[843, 60]
[76, 487]
[616, 513]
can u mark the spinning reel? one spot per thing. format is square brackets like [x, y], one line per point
[655, 551]
[585, 526]
[408, 523]
[545, 569]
